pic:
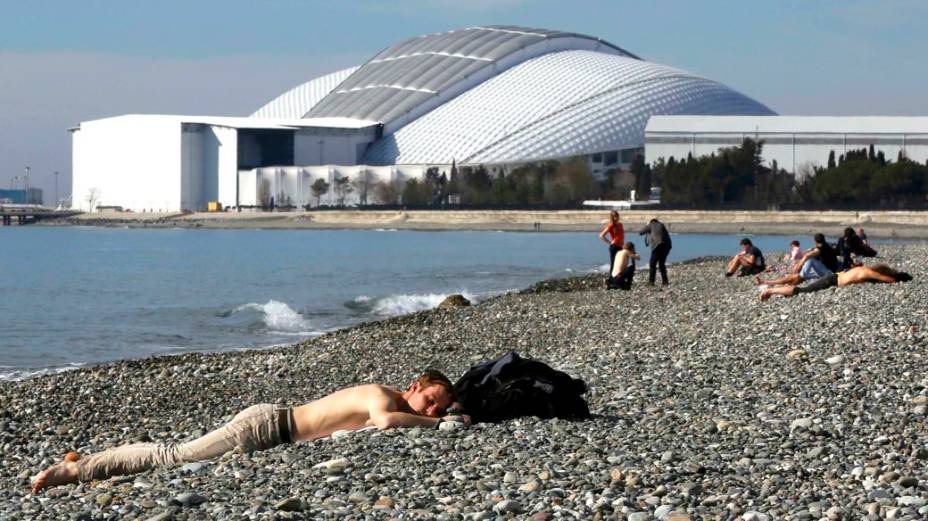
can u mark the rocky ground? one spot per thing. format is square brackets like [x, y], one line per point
[709, 405]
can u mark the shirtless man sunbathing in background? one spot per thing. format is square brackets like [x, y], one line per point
[858, 275]
[264, 426]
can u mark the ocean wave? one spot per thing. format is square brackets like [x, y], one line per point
[280, 318]
[402, 304]
[22, 374]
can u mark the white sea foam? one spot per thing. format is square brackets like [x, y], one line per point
[22, 374]
[280, 318]
[361, 299]
[402, 304]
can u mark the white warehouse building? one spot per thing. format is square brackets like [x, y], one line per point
[497, 95]
[794, 142]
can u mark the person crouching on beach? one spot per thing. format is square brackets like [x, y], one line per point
[750, 261]
[264, 426]
[623, 269]
[616, 239]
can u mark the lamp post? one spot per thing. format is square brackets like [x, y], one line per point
[26, 184]
[56, 189]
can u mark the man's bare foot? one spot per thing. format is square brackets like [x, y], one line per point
[757, 280]
[59, 474]
[765, 296]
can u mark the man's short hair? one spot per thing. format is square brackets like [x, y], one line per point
[434, 377]
[794, 243]
[746, 242]
[819, 238]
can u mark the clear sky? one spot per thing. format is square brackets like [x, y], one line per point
[63, 61]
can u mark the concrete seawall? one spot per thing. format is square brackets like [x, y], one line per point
[901, 224]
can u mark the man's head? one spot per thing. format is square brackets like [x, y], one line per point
[794, 244]
[746, 244]
[629, 246]
[819, 239]
[430, 394]
[899, 276]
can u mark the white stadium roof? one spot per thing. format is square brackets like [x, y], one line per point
[506, 94]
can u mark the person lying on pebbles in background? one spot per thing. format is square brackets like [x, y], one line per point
[880, 273]
[264, 426]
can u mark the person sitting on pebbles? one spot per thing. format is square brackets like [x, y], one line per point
[860, 274]
[749, 261]
[264, 426]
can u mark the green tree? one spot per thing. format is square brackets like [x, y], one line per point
[319, 188]
[416, 193]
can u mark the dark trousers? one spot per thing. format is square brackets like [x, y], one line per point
[659, 259]
[613, 250]
[623, 280]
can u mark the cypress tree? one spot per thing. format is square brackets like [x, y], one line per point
[871, 155]
[831, 160]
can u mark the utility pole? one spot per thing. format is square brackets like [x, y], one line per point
[26, 184]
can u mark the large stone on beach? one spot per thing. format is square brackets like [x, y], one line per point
[289, 505]
[454, 301]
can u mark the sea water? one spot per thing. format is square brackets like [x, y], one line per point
[71, 296]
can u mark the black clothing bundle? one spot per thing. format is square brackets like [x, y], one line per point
[512, 386]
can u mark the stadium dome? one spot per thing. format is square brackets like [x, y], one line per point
[504, 94]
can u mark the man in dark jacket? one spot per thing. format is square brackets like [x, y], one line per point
[657, 236]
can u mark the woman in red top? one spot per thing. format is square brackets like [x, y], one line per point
[616, 232]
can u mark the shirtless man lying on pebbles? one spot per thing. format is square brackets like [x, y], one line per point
[880, 273]
[264, 426]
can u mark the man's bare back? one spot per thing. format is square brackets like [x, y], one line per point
[365, 406]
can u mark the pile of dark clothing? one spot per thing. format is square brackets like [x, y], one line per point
[512, 386]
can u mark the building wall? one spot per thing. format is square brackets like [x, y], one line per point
[793, 150]
[221, 157]
[131, 161]
[330, 146]
[294, 184]
[192, 168]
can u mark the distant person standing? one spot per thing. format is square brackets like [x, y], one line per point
[616, 239]
[657, 236]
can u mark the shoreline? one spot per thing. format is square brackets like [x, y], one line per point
[881, 225]
[707, 403]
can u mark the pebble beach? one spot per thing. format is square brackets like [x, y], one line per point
[707, 403]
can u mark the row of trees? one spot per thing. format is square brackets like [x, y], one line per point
[734, 176]
[737, 176]
[545, 183]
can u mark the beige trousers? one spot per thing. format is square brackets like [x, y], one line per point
[255, 428]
